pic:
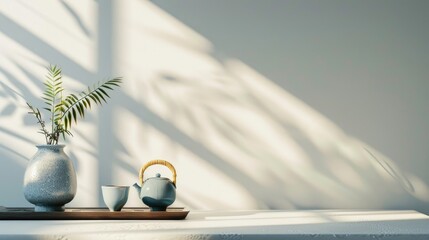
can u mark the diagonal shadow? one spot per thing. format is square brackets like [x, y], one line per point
[26, 93]
[253, 187]
[76, 18]
[41, 48]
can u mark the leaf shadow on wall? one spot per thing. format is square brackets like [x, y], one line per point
[14, 158]
[313, 170]
[23, 82]
[276, 150]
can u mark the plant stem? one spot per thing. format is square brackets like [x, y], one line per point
[53, 114]
[38, 115]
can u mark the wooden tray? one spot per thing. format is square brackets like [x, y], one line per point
[93, 214]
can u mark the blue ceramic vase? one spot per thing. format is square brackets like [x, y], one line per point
[50, 179]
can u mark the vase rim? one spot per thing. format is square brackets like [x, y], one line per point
[50, 145]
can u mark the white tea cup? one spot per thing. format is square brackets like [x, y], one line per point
[115, 196]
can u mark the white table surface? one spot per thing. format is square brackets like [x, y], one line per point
[322, 224]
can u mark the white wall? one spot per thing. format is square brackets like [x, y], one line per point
[261, 104]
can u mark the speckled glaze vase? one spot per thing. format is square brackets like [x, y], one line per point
[50, 179]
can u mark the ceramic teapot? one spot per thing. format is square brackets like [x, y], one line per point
[157, 192]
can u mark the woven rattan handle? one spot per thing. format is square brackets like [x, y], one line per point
[160, 162]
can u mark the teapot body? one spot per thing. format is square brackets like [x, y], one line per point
[158, 193]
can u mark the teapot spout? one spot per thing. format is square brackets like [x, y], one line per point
[137, 187]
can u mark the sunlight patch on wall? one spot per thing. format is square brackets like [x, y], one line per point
[240, 123]
[68, 27]
[199, 183]
[167, 27]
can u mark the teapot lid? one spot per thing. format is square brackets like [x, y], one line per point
[158, 177]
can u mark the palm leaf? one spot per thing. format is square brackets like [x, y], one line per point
[75, 106]
[52, 94]
[64, 111]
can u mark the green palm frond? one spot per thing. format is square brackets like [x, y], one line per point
[53, 97]
[64, 111]
[53, 87]
[73, 106]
